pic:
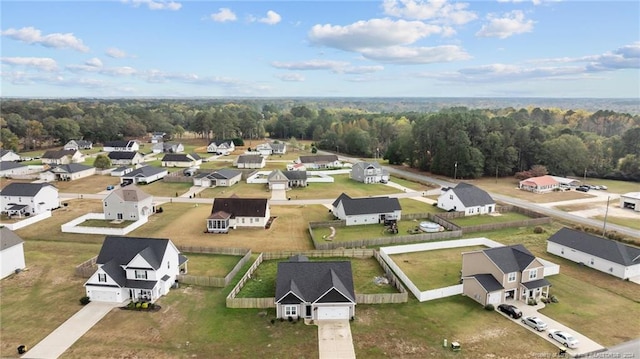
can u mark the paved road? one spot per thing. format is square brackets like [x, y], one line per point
[630, 349]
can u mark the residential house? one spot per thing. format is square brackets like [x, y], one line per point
[71, 172]
[62, 157]
[223, 178]
[368, 210]
[315, 290]
[143, 175]
[541, 184]
[369, 172]
[18, 199]
[11, 253]
[78, 145]
[157, 137]
[127, 203]
[278, 179]
[264, 149]
[10, 169]
[250, 161]
[136, 269]
[122, 145]
[320, 161]
[631, 201]
[223, 147]
[8, 156]
[168, 147]
[127, 158]
[466, 198]
[181, 160]
[495, 275]
[606, 255]
[234, 212]
[278, 148]
[296, 167]
[120, 171]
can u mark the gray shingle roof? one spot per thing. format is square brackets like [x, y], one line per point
[24, 189]
[241, 207]
[295, 175]
[130, 193]
[225, 174]
[71, 168]
[536, 283]
[488, 282]
[471, 195]
[311, 280]
[318, 159]
[57, 154]
[145, 171]
[122, 155]
[509, 259]
[250, 159]
[8, 238]
[610, 250]
[355, 206]
[122, 250]
[4, 165]
[122, 143]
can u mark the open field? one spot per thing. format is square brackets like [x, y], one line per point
[210, 265]
[627, 222]
[91, 184]
[433, 269]
[493, 218]
[367, 231]
[241, 189]
[166, 189]
[508, 186]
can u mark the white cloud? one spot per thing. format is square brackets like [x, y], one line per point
[534, 2]
[289, 77]
[116, 53]
[417, 55]
[272, 18]
[510, 24]
[155, 4]
[341, 67]
[32, 35]
[440, 11]
[39, 63]
[224, 15]
[94, 62]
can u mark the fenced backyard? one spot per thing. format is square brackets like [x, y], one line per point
[212, 281]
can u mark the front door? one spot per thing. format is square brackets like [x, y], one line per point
[119, 216]
[307, 312]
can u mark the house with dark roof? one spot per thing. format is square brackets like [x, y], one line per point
[8, 156]
[25, 199]
[125, 158]
[62, 157]
[136, 269]
[122, 145]
[167, 147]
[223, 178]
[157, 137]
[181, 160]
[606, 255]
[250, 161]
[128, 203]
[143, 175]
[367, 210]
[368, 172]
[278, 179]
[467, 198]
[71, 172]
[78, 145]
[233, 212]
[10, 169]
[315, 290]
[11, 252]
[120, 171]
[496, 275]
[319, 161]
[221, 147]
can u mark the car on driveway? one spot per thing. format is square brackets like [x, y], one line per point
[564, 338]
[535, 323]
[510, 310]
[583, 188]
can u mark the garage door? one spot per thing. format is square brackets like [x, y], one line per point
[333, 313]
[278, 186]
[103, 296]
[494, 298]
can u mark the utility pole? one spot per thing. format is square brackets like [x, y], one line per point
[455, 170]
[496, 173]
[604, 226]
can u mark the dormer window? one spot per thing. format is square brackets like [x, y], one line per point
[141, 274]
[512, 277]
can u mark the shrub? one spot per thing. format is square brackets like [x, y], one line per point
[532, 301]
[290, 319]
[138, 305]
[538, 230]
[273, 321]
[85, 300]
[131, 305]
[145, 305]
[489, 307]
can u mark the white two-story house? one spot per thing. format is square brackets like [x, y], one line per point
[27, 199]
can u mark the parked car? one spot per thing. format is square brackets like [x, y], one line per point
[604, 187]
[109, 188]
[535, 323]
[583, 188]
[510, 310]
[564, 338]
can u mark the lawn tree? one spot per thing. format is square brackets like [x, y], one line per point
[102, 162]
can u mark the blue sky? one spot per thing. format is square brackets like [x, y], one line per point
[366, 48]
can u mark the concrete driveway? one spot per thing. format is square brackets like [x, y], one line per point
[585, 345]
[334, 339]
[70, 331]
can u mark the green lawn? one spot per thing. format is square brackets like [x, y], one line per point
[210, 265]
[433, 269]
[410, 184]
[627, 222]
[368, 231]
[413, 206]
[486, 219]
[166, 189]
[102, 223]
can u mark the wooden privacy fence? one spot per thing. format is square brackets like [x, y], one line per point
[86, 268]
[214, 250]
[536, 219]
[233, 302]
[215, 281]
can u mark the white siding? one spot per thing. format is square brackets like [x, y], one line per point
[589, 260]
[11, 259]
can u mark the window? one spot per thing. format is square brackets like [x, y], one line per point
[533, 274]
[591, 261]
[141, 274]
[512, 277]
[168, 264]
[290, 310]
[450, 196]
[102, 278]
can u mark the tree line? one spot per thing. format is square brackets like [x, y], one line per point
[457, 141]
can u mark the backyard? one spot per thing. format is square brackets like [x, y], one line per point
[366, 231]
[102, 223]
[90, 184]
[210, 265]
[489, 218]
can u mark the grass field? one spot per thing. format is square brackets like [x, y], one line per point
[91, 184]
[412, 206]
[485, 219]
[627, 222]
[166, 189]
[211, 265]
[367, 231]
[102, 223]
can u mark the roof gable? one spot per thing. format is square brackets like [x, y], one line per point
[608, 249]
[314, 280]
[515, 258]
[25, 189]
[70, 168]
[131, 193]
[145, 171]
[122, 250]
[472, 196]
[8, 238]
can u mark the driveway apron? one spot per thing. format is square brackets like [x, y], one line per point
[70, 331]
[334, 339]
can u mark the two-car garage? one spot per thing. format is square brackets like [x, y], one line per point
[101, 294]
[631, 201]
[334, 313]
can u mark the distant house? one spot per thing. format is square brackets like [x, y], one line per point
[223, 147]
[369, 210]
[608, 256]
[10, 169]
[264, 149]
[11, 252]
[223, 178]
[320, 161]
[119, 158]
[466, 198]
[541, 184]
[78, 145]
[168, 147]
[62, 157]
[631, 201]
[127, 203]
[369, 172]
[278, 179]
[315, 290]
[250, 161]
[296, 167]
[234, 212]
[123, 145]
[496, 275]
[72, 171]
[120, 171]
[18, 199]
[181, 160]
[8, 156]
[158, 137]
[143, 175]
[136, 269]
[278, 148]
